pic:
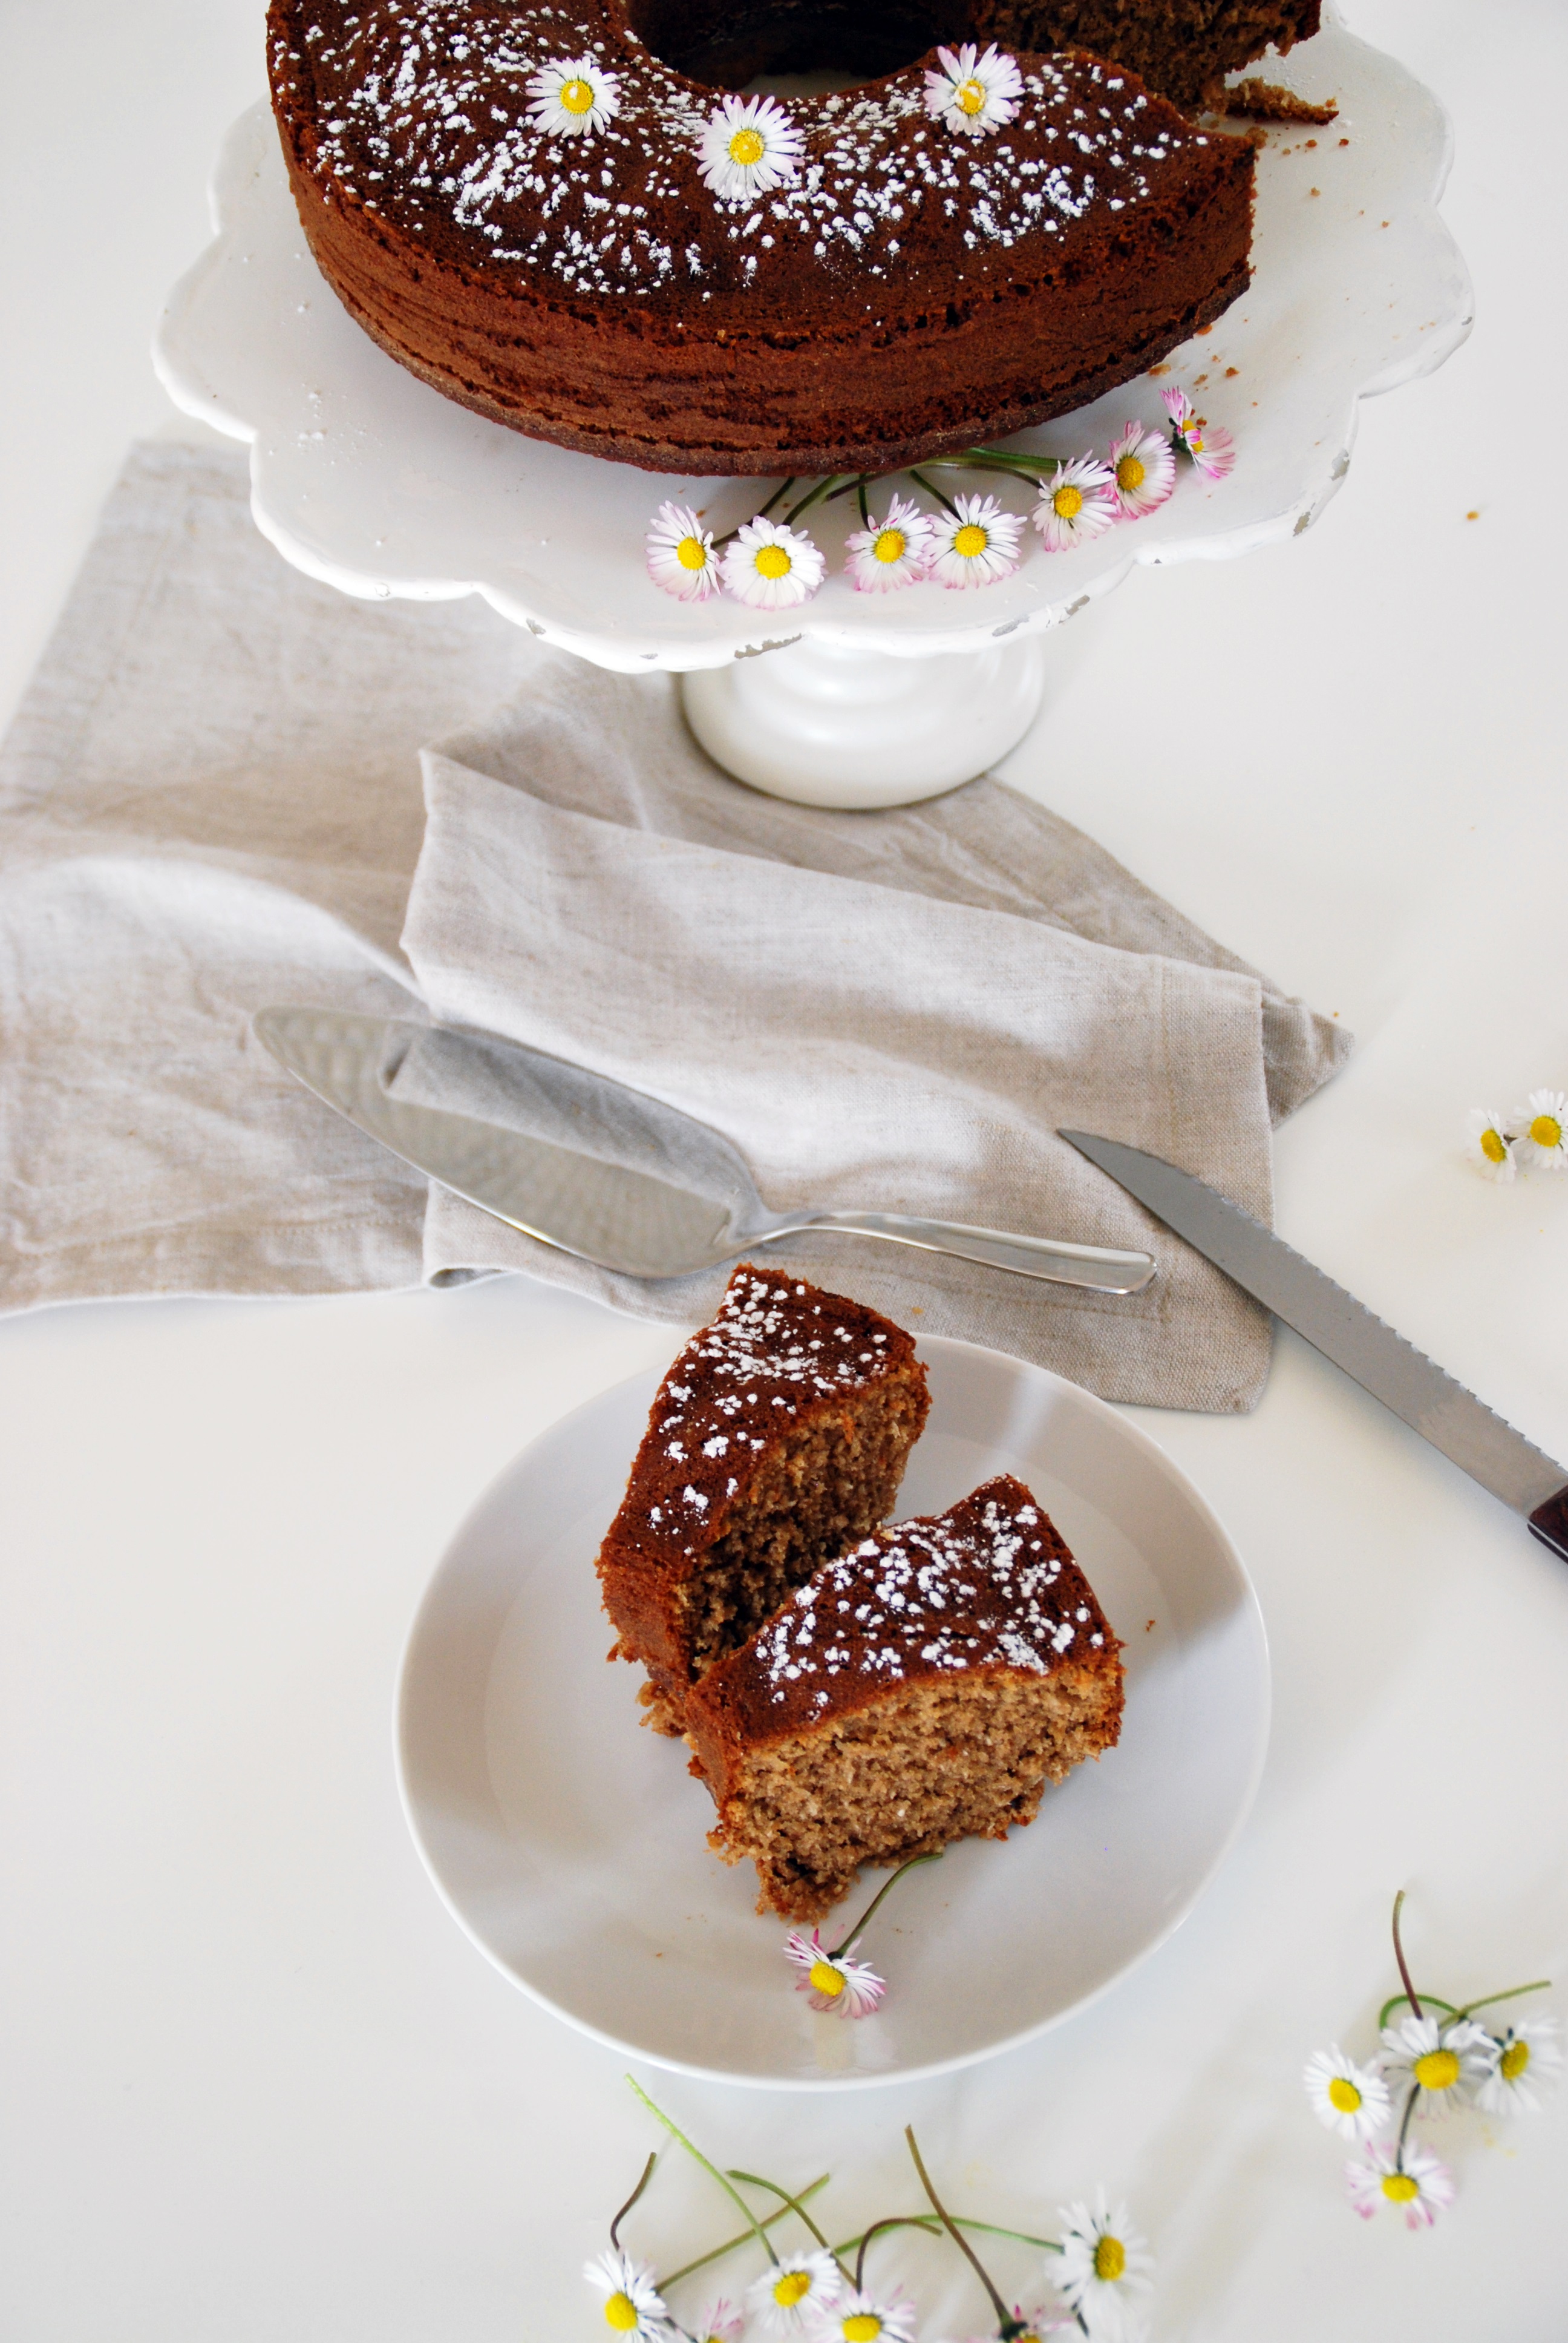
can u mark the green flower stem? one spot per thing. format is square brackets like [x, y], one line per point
[929, 2223]
[931, 489]
[814, 495]
[1404, 2129]
[791, 2205]
[741, 2207]
[1398, 1956]
[719, 2252]
[1432, 2001]
[861, 501]
[782, 490]
[864, 1922]
[1539, 1985]
[636, 2192]
[1007, 2327]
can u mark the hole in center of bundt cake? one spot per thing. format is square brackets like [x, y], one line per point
[842, 42]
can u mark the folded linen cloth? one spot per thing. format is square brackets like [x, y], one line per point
[207, 803]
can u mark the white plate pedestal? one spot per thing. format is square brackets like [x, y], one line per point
[828, 723]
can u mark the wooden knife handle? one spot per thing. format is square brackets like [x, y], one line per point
[1549, 1523]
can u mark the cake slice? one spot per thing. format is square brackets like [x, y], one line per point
[777, 1438]
[922, 1688]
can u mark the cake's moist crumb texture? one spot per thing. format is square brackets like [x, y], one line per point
[777, 1438]
[906, 290]
[922, 1688]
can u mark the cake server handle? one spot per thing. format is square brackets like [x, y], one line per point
[1102, 1268]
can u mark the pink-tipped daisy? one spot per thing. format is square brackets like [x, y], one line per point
[1077, 502]
[771, 566]
[749, 145]
[974, 93]
[975, 544]
[680, 556]
[722, 2322]
[850, 1989]
[1415, 2182]
[869, 2318]
[1528, 2057]
[573, 96]
[1213, 451]
[1143, 470]
[1488, 1146]
[1542, 1124]
[633, 2306]
[886, 554]
[1351, 2099]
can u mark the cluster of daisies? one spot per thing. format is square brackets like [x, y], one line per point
[774, 564]
[822, 2293]
[747, 146]
[1435, 2058]
[1534, 1139]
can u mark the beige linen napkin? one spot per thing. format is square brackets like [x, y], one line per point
[210, 801]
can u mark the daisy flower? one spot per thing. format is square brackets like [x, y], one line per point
[1487, 1145]
[888, 553]
[828, 1981]
[793, 2294]
[1415, 2181]
[1143, 470]
[680, 556]
[1543, 1128]
[722, 2324]
[973, 93]
[771, 566]
[632, 2303]
[974, 544]
[1446, 2063]
[748, 145]
[1213, 452]
[1528, 2058]
[571, 95]
[862, 2318]
[1077, 502]
[1103, 2261]
[1351, 2099]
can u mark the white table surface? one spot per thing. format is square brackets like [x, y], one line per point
[256, 2084]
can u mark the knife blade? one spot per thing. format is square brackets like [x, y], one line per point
[1419, 1393]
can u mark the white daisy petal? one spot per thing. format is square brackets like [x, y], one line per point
[1143, 470]
[1102, 2262]
[1542, 1128]
[1487, 1145]
[793, 2294]
[974, 94]
[975, 544]
[633, 2307]
[869, 2318]
[830, 1982]
[680, 554]
[1077, 502]
[723, 2322]
[1415, 2182]
[1528, 2058]
[890, 553]
[573, 96]
[749, 145]
[771, 566]
[1446, 2063]
[1352, 2101]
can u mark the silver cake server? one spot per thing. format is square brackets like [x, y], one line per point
[594, 1168]
[1504, 1462]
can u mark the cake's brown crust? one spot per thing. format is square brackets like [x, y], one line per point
[951, 290]
[784, 1370]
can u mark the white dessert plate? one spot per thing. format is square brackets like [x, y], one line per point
[571, 1845]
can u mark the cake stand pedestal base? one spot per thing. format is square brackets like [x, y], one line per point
[825, 723]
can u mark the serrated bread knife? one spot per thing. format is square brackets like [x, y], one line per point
[594, 1168]
[1334, 1322]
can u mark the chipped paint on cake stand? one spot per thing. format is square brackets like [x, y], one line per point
[366, 478]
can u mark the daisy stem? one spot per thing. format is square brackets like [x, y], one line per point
[791, 2205]
[863, 1923]
[861, 501]
[636, 2192]
[735, 2199]
[931, 489]
[814, 495]
[1398, 1956]
[1433, 2001]
[1006, 2327]
[782, 490]
[1000, 459]
[932, 2227]
[1540, 1985]
[719, 2252]
[1404, 2128]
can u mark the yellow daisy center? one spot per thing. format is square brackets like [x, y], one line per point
[827, 1979]
[1513, 2061]
[1068, 503]
[620, 2312]
[969, 541]
[1343, 2096]
[890, 546]
[1110, 2258]
[1492, 1147]
[862, 2326]
[772, 561]
[1546, 1131]
[791, 2289]
[748, 146]
[1129, 473]
[576, 96]
[1438, 2070]
[1399, 2187]
[691, 553]
[970, 97]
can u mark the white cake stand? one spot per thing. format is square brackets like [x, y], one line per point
[366, 478]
